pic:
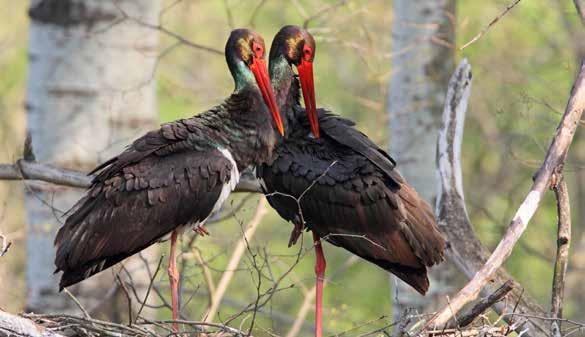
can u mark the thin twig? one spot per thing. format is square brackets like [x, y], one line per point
[206, 275]
[77, 303]
[166, 31]
[493, 22]
[150, 284]
[322, 12]
[128, 298]
[235, 260]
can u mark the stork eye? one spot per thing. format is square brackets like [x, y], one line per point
[257, 49]
[307, 53]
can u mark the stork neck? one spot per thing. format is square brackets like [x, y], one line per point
[287, 91]
[242, 75]
[244, 126]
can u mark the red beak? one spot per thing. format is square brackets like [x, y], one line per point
[260, 71]
[308, 86]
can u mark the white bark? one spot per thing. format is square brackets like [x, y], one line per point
[90, 91]
[423, 58]
[16, 326]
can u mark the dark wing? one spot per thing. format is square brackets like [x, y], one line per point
[355, 205]
[162, 181]
[343, 131]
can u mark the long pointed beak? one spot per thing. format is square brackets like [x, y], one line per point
[260, 71]
[308, 86]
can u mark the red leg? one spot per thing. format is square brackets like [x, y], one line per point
[174, 279]
[320, 265]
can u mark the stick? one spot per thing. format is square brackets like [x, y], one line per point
[12, 325]
[555, 157]
[239, 250]
[561, 262]
[484, 304]
[493, 22]
[483, 331]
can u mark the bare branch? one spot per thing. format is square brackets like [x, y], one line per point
[580, 6]
[235, 260]
[562, 259]
[484, 304]
[5, 245]
[552, 164]
[469, 255]
[127, 294]
[166, 31]
[74, 299]
[12, 325]
[150, 284]
[493, 22]
[28, 170]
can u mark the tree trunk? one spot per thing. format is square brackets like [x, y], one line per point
[423, 35]
[90, 91]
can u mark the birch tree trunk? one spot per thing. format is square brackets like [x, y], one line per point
[423, 35]
[90, 90]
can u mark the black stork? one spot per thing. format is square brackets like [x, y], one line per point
[347, 187]
[173, 177]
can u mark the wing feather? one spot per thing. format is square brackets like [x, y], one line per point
[139, 197]
[359, 203]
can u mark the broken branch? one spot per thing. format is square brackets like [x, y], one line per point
[563, 243]
[554, 160]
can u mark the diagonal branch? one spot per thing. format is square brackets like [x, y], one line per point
[551, 167]
[580, 6]
[469, 255]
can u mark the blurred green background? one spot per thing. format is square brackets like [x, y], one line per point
[523, 68]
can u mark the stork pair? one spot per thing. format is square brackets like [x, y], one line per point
[315, 168]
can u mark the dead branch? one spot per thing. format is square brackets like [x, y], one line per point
[493, 22]
[5, 245]
[469, 255]
[580, 6]
[484, 304]
[30, 170]
[562, 259]
[235, 260]
[49, 325]
[482, 331]
[552, 164]
[12, 325]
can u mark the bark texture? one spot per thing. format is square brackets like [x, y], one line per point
[90, 91]
[423, 59]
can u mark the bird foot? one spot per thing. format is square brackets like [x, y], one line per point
[295, 234]
[201, 230]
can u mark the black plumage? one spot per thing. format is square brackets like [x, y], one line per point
[352, 194]
[171, 177]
